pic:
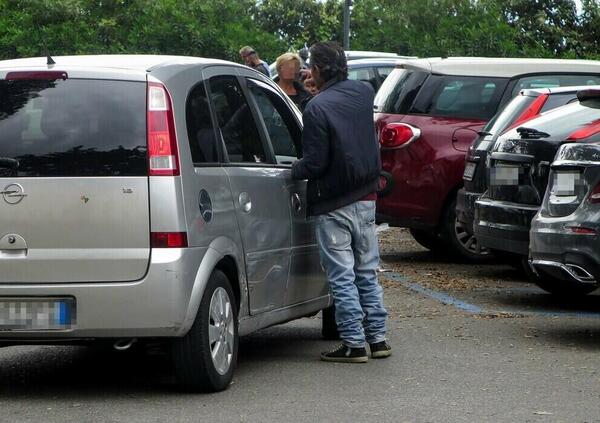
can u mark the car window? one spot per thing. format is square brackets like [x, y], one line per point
[201, 133]
[75, 127]
[399, 91]
[556, 100]
[237, 126]
[279, 121]
[467, 97]
[550, 81]
[366, 75]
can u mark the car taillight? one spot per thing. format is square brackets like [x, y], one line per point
[162, 143]
[594, 197]
[396, 135]
[168, 240]
[581, 230]
[587, 131]
[531, 112]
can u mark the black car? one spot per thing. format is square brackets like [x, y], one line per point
[518, 170]
[529, 104]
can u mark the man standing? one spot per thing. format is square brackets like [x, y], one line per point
[342, 165]
[251, 59]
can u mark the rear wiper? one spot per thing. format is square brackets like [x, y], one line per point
[9, 163]
[531, 133]
[483, 133]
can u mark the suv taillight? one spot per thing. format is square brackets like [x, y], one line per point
[396, 135]
[162, 143]
[587, 131]
[531, 112]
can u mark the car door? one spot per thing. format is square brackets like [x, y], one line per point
[307, 280]
[259, 194]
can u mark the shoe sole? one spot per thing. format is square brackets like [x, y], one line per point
[381, 354]
[345, 359]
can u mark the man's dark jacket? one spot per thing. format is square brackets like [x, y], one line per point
[340, 150]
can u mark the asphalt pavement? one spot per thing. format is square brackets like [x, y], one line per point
[471, 344]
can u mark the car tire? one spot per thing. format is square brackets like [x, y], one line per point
[429, 240]
[329, 329]
[214, 333]
[463, 245]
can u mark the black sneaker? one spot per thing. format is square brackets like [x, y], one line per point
[380, 350]
[344, 354]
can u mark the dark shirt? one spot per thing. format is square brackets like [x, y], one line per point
[302, 97]
[340, 149]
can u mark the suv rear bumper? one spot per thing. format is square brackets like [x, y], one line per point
[155, 306]
[503, 226]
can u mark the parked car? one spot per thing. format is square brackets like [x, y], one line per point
[428, 113]
[529, 104]
[519, 167]
[564, 247]
[371, 71]
[150, 197]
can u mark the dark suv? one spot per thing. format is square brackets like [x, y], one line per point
[428, 113]
[528, 105]
[519, 168]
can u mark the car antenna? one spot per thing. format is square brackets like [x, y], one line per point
[50, 60]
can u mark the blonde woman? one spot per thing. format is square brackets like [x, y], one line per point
[288, 71]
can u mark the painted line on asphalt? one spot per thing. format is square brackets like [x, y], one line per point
[447, 299]
[436, 295]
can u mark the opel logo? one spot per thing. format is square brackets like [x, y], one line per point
[13, 194]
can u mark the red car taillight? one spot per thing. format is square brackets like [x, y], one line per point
[168, 240]
[587, 131]
[396, 135]
[162, 143]
[531, 112]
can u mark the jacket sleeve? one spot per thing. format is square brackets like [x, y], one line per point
[315, 146]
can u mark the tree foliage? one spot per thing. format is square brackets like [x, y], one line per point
[218, 28]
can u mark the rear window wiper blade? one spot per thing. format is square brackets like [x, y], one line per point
[8, 163]
[531, 133]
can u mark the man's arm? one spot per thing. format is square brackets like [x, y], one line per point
[315, 146]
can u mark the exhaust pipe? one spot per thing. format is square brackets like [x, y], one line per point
[124, 344]
[572, 271]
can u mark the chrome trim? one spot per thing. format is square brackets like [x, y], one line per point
[568, 268]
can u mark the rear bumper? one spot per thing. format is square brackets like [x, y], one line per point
[155, 306]
[563, 254]
[503, 226]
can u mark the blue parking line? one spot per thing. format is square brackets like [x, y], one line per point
[436, 295]
[473, 309]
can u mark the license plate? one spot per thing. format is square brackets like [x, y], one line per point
[504, 175]
[469, 171]
[36, 314]
[565, 183]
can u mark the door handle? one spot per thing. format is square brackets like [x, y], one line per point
[296, 203]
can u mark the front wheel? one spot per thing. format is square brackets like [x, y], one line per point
[462, 243]
[429, 240]
[206, 357]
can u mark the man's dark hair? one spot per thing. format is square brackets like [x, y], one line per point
[330, 58]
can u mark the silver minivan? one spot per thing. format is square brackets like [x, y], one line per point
[150, 197]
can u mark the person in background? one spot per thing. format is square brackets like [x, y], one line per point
[341, 162]
[251, 59]
[288, 70]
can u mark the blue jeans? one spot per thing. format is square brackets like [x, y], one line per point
[350, 255]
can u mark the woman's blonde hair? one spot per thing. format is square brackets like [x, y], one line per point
[285, 58]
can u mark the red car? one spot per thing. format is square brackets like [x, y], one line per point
[427, 114]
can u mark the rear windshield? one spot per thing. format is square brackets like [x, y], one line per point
[75, 127]
[562, 122]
